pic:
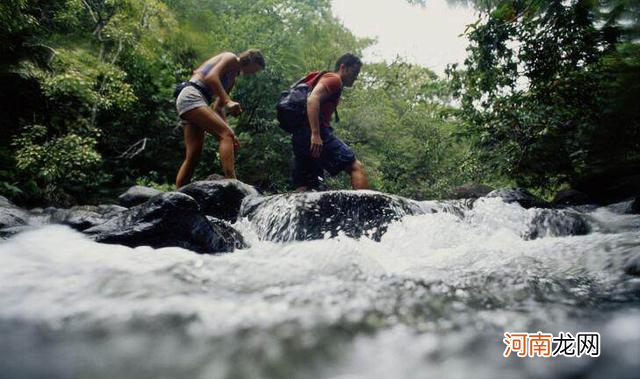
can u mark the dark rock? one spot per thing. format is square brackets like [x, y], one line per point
[635, 206]
[316, 215]
[106, 211]
[85, 217]
[520, 196]
[470, 191]
[137, 195]
[228, 233]
[611, 185]
[11, 216]
[214, 177]
[168, 219]
[78, 219]
[556, 223]
[221, 198]
[570, 197]
[632, 267]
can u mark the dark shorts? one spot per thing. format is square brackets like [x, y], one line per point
[336, 156]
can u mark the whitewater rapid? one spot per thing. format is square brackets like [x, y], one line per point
[432, 299]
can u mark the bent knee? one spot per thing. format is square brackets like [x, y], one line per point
[227, 135]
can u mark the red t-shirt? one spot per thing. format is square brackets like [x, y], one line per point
[333, 84]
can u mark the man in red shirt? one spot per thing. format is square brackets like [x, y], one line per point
[314, 145]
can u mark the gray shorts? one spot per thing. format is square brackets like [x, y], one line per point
[190, 98]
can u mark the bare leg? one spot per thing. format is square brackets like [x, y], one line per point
[193, 141]
[211, 122]
[359, 179]
[302, 189]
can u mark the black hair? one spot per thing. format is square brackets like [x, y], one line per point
[349, 60]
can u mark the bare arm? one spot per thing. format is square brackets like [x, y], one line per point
[319, 94]
[228, 63]
[219, 109]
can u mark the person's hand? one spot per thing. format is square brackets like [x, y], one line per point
[233, 108]
[316, 145]
[236, 141]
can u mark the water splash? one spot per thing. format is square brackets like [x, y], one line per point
[432, 298]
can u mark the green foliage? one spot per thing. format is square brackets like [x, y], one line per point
[399, 119]
[65, 159]
[89, 90]
[547, 90]
[153, 180]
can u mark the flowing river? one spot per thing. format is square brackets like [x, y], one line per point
[432, 299]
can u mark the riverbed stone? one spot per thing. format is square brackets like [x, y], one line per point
[137, 195]
[470, 191]
[318, 215]
[632, 267]
[635, 206]
[11, 216]
[520, 196]
[166, 220]
[228, 233]
[556, 223]
[219, 198]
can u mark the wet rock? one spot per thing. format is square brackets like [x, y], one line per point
[13, 230]
[228, 233]
[456, 207]
[80, 217]
[635, 206]
[11, 216]
[5, 202]
[632, 267]
[214, 177]
[105, 210]
[470, 191]
[556, 223]
[520, 196]
[316, 215]
[221, 198]
[167, 219]
[570, 197]
[137, 195]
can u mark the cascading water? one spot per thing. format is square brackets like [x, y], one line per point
[432, 299]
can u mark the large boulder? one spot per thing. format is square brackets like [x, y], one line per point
[167, 219]
[220, 198]
[318, 215]
[556, 223]
[570, 197]
[520, 196]
[137, 195]
[470, 191]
